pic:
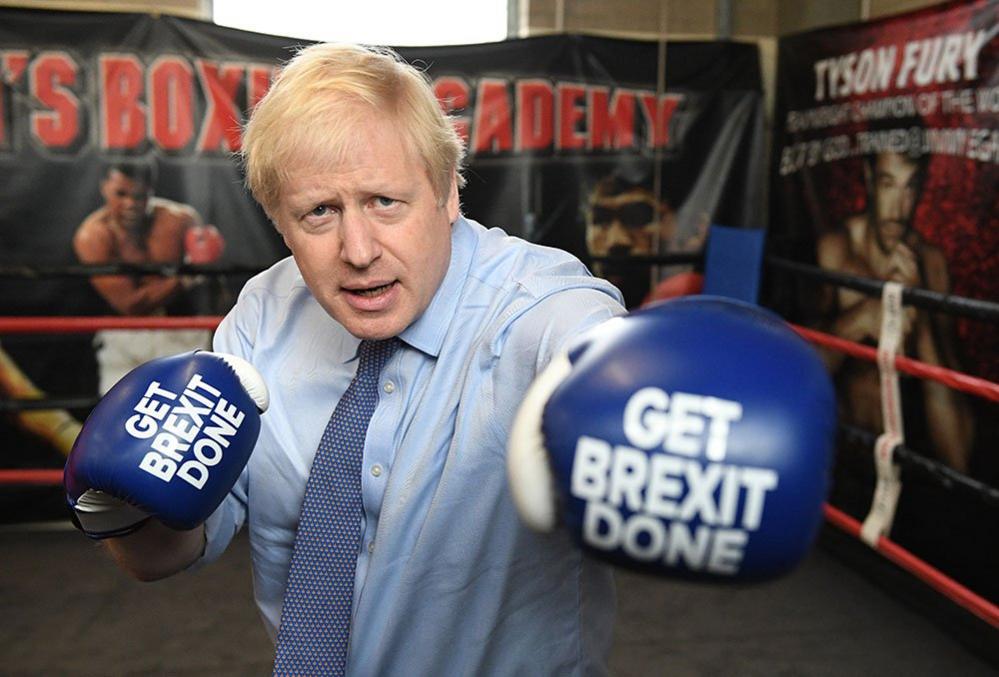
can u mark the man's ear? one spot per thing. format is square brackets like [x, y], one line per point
[284, 237]
[453, 204]
[277, 227]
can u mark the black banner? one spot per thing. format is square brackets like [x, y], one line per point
[598, 146]
[886, 167]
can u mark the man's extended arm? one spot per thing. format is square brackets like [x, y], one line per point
[156, 551]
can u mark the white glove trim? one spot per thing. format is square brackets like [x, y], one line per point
[249, 378]
[102, 514]
[528, 469]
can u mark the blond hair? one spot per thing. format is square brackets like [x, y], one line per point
[321, 97]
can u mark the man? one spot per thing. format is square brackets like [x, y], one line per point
[358, 168]
[133, 226]
[882, 243]
[624, 218]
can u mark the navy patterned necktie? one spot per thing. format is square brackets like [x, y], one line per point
[315, 618]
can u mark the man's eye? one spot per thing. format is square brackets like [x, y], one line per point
[320, 210]
[383, 201]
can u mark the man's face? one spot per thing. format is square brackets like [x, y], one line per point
[626, 224]
[623, 224]
[126, 199]
[894, 187]
[369, 236]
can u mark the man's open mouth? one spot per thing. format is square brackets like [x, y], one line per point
[372, 291]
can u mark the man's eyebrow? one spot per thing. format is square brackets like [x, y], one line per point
[308, 200]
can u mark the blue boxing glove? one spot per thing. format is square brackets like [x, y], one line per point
[168, 440]
[690, 439]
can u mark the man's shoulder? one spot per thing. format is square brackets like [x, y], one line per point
[839, 244]
[278, 281]
[172, 212]
[935, 267]
[267, 300]
[95, 221]
[856, 229]
[850, 228]
[929, 251]
[93, 232]
[545, 294]
[498, 245]
[279, 294]
[511, 263]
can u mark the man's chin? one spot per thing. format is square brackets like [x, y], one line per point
[895, 235]
[371, 326]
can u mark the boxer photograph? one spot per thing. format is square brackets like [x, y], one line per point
[134, 226]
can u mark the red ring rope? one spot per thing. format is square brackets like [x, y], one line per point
[933, 577]
[954, 379]
[38, 476]
[937, 580]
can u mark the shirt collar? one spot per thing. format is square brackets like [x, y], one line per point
[427, 332]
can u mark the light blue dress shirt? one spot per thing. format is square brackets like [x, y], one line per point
[448, 581]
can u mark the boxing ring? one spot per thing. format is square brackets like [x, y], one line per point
[32, 407]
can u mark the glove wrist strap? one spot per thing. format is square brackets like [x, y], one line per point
[100, 515]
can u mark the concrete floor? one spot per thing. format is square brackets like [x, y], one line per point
[70, 612]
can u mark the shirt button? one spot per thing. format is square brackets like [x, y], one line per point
[371, 547]
[376, 470]
[389, 387]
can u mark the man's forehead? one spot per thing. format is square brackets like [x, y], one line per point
[120, 180]
[632, 195]
[310, 184]
[895, 164]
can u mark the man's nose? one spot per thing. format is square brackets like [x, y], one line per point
[359, 245]
[897, 205]
[618, 235]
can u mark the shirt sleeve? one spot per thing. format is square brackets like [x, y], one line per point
[538, 334]
[555, 321]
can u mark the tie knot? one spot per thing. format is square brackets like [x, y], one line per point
[373, 355]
